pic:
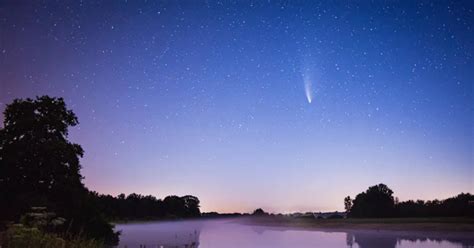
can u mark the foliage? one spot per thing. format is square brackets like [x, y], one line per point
[460, 205]
[378, 202]
[136, 206]
[259, 212]
[19, 236]
[347, 203]
[191, 206]
[40, 218]
[39, 166]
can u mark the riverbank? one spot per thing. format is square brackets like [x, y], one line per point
[389, 224]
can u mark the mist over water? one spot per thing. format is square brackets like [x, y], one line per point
[228, 233]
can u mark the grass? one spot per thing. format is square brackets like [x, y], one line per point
[19, 236]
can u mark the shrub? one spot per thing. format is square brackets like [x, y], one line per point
[19, 236]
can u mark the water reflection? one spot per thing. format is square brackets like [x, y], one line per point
[160, 234]
[393, 239]
[371, 240]
[225, 233]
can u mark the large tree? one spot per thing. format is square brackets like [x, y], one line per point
[39, 166]
[377, 201]
[191, 204]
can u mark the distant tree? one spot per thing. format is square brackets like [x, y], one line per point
[377, 201]
[39, 166]
[259, 212]
[347, 203]
[191, 204]
[460, 205]
[121, 196]
[174, 206]
[140, 207]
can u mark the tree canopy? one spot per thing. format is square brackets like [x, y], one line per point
[259, 212]
[39, 166]
[136, 206]
[377, 201]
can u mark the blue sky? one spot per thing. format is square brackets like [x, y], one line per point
[208, 98]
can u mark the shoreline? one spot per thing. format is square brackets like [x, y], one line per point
[432, 225]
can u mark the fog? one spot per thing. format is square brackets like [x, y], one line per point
[230, 233]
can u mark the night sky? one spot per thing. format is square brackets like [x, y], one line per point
[288, 106]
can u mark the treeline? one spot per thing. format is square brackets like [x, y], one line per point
[140, 207]
[460, 205]
[378, 202]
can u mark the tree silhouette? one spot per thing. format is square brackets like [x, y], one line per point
[377, 201]
[140, 207]
[39, 166]
[259, 212]
[174, 206]
[347, 203]
[191, 204]
[460, 205]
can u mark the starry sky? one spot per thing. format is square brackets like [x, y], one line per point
[288, 106]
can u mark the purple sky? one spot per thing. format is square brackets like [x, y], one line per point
[285, 106]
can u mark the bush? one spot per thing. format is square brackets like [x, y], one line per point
[19, 236]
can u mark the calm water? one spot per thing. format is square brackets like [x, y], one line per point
[228, 233]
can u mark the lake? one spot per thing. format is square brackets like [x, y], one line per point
[229, 233]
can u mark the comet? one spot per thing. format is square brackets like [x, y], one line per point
[308, 87]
